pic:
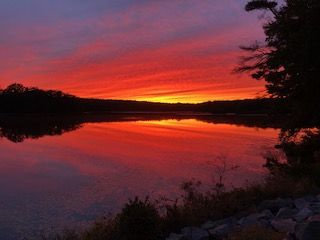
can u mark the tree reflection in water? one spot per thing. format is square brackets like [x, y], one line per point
[18, 128]
[299, 154]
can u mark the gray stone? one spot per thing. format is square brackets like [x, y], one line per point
[299, 229]
[299, 218]
[192, 233]
[268, 214]
[290, 236]
[284, 225]
[221, 231]
[252, 219]
[315, 207]
[229, 221]
[264, 223]
[309, 231]
[174, 236]
[275, 205]
[311, 198]
[314, 218]
[303, 214]
[212, 224]
[286, 213]
[208, 225]
[301, 203]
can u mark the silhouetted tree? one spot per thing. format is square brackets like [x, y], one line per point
[19, 99]
[15, 88]
[262, 4]
[289, 61]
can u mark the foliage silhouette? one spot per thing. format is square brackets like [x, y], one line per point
[19, 99]
[139, 219]
[289, 61]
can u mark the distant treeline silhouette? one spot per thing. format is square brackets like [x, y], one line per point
[17, 98]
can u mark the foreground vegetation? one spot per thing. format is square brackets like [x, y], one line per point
[148, 220]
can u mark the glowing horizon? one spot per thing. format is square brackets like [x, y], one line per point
[168, 51]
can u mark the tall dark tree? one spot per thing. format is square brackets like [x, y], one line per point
[289, 61]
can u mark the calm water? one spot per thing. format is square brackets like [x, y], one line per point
[54, 176]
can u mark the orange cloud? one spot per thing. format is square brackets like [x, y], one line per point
[169, 52]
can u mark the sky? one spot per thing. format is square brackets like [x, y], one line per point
[154, 50]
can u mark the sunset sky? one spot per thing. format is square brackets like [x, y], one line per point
[156, 50]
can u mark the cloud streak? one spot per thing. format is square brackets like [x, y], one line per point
[128, 49]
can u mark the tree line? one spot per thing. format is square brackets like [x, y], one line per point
[17, 98]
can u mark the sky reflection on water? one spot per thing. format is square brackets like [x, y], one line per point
[57, 181]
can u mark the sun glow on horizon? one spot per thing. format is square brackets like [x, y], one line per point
[158, 51]
[193, 98]
[198, 99]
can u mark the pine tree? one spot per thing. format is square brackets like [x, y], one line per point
[289, 61]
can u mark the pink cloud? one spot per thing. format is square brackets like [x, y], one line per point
[138, 52]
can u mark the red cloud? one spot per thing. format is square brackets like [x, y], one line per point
[138, 54]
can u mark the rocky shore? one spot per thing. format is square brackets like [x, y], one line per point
[298, 218]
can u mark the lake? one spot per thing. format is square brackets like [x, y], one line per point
[67, 171]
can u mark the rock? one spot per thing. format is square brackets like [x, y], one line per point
[311, 198]
[299, 218]
[229, 221]
[275, 205]
[314, 218]
[303, 214]
[265, 223]
[252, 219]
[208, 225]
[192, 233]
[315, 207]
[221, 231]
[290, 236]
[174, 236]
[268, 214]
[284, 225]
[301, 203]
[286, 213]
[309, 231]
[299, 229]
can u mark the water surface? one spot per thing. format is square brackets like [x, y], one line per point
[62, 173]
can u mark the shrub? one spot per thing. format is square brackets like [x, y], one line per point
[139, 220]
